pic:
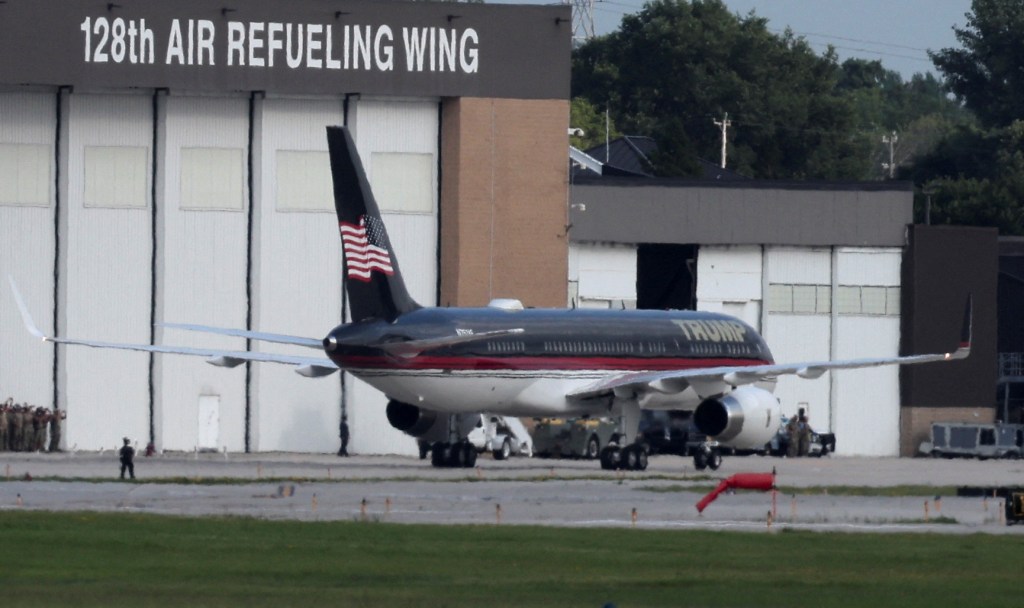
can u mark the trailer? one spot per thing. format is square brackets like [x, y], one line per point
[969, 440]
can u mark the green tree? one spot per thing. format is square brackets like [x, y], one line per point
[987, 74]
[976, 173]
[590, 119]
[677, 65]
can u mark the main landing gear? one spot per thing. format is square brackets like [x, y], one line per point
[705, 457]
[633, 457]
[453, 455]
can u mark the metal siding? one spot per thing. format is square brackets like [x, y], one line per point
[607, 272]
[728, 274]
[201, 269]
[748, 213]
[803, 266]
[27, 251]
[878, 266]
[794, 338]
[297, 286]
[396, 126]
[867, 407]
[108, 283]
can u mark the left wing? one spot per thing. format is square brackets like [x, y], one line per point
[715, 380]
[311, 367]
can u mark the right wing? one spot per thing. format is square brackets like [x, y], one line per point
[708, 381]
[311, 367]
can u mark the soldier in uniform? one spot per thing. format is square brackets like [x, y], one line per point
[127, 454]
[55, 423]
[793, 434]
[17, 435]
[805, 434]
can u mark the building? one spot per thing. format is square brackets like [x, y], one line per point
[166, 162]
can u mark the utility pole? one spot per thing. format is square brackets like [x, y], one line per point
[724, 124]
[891, 140]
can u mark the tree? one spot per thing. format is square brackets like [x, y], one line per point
[591, 120]
[677, 65]
[987, 74]
[976, 172]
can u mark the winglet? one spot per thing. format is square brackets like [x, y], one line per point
[25, 317]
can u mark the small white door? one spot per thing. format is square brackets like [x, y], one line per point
[209, 421]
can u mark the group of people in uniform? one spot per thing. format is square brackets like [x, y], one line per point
[799, 433]
[29, 428]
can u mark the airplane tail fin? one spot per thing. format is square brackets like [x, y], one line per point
[374, 283]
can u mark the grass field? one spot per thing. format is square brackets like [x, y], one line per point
[89, 559]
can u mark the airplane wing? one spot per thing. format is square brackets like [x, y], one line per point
[252, 335]
[712, 380]
[312, 367]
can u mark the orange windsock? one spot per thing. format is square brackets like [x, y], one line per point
[743, 481]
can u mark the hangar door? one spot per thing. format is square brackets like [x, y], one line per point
[666, 276]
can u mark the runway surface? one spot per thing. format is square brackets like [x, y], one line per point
[518, 491]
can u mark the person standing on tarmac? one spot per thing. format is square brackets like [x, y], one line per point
[127, 453]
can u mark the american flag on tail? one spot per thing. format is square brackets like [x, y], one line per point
[365, 248]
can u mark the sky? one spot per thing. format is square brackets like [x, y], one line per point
[897, 32]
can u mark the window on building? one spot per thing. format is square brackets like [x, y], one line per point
[25, 174]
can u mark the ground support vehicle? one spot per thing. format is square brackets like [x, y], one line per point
[502, 436]
[822, 444]
[971, 440]
[573, 437]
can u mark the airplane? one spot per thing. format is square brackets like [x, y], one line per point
[433, 362]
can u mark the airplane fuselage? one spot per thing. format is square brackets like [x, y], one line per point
[557, 352]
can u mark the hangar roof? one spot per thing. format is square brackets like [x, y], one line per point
[744, 212]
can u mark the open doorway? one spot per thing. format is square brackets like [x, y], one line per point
[666, 276]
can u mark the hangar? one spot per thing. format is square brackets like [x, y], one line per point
[166, 162]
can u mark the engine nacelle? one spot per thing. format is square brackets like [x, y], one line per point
[418, 422]
[745, 419]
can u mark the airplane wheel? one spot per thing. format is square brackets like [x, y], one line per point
[610, 458]
[469, 455]
[593, 448]
[437, 455]
[714, 460]
[641, 459]
[457, 457]
[700, 460]
[631, 458]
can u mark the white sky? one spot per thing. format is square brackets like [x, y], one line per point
[897, 32]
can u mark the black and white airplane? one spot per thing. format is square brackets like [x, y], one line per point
[504, 359]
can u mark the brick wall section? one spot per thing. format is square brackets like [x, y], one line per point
[504, 184]
[916, 423]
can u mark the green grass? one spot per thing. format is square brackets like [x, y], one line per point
[88, 559]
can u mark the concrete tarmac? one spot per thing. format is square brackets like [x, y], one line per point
[316, 487]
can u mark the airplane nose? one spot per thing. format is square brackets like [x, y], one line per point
[330, 343]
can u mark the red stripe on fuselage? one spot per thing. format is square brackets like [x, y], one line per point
[541, 363]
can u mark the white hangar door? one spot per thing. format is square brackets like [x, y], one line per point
[866, 402]
[27, 248]
[798, 326]
[297, 279]
[202, 239]
[106, 250]
[398, 144]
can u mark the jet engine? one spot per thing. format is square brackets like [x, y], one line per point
[745, 419]
[418, 422]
